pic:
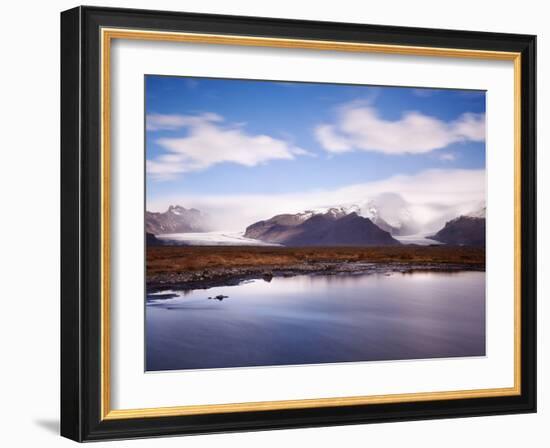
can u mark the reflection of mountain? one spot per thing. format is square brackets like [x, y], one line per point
[335, 227]
[465, 230]
[176, 220]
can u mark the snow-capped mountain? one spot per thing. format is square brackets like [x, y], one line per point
[388, 211]
[335, 212]
[335, 226]
[176, 219]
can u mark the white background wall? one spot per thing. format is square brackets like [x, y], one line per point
[29, 189]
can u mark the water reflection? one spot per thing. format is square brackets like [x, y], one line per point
[318, 319]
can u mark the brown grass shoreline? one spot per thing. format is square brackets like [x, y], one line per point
[204, 266]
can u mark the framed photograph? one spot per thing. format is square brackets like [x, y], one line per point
[276, 224]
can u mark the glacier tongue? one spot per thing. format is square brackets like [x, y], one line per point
[212, 239]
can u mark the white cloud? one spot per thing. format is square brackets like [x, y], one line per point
[433, 197]
[160, 122]
[210, 141]
[470, 127]
[360, 127]
[331, 141]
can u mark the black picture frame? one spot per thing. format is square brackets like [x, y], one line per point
[81, 224]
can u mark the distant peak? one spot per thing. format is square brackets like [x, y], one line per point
[176, 209]
[334, 212]
[177, 219]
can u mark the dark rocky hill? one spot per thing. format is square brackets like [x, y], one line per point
[328, 229]
[462, 231]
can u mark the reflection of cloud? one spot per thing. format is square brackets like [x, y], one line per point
[360, 127]
[161, 122]
[209, 142]
[432, 197]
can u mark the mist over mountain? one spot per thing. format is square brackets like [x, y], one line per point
[177, 219]
[417, 204]
[335, 227]
[388, 213]
[391, 212]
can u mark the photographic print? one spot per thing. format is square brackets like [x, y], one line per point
[261, 201]
[293, 223]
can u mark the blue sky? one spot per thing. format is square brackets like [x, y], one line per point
[219, 137]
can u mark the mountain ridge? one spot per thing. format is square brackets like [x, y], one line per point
[176, 219]
[464, 230]
[333, 228]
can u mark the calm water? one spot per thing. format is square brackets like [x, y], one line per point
[318, 319]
